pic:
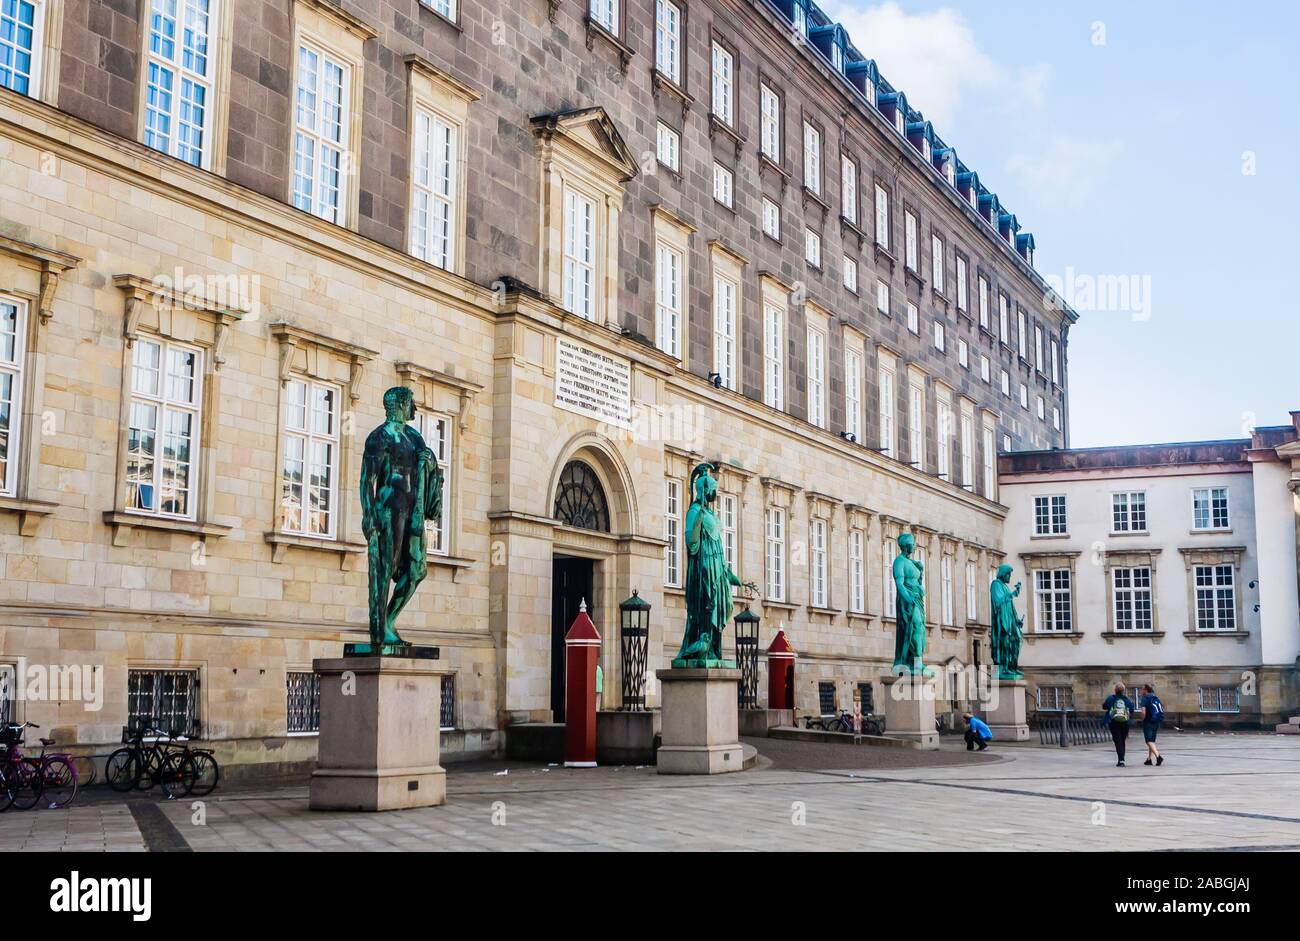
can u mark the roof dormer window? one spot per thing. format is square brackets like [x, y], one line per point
[900, 121]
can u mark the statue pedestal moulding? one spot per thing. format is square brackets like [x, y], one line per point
[1006, 712]
[380, 702]
[910, 687]
[699, 693]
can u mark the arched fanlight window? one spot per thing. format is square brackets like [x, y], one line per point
[580, 499]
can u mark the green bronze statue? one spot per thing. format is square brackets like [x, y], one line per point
[1005, 637]
[708, 578]
[401, 488]
[909, 629]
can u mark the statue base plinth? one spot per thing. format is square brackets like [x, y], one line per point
[703, 664]
[700, 722]
[1005, 713]
[909, 709]
[410, 651]
[379, 734]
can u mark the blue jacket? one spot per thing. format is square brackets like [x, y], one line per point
[980, 729]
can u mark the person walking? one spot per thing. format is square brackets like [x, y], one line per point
[1118, 709]
[977, 732]
[1153, 713]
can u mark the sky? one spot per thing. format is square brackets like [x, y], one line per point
[1152, 148]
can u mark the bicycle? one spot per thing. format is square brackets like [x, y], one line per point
[136, 766]
[844, 723]
[24, 778]
[59, 777]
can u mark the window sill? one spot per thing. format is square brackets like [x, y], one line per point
[1050, 536]
[765, 162]
[718, 126]
[1209, 532]
[1194, 636]
[29, 512]
[818, 609]
[859, 616]
[674, 591]
[814, 197]
[315, 734]
[1111, 636]
[454, 563]
[280, 542]
[662, 82]
[1130, 532]
[914, 275]
[1072, 636]
[625, 52]
[785, 606]
[445, 21]
[848, 225]
[883, 252]
[123, 523]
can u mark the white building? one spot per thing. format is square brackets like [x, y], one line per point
[1168, 563]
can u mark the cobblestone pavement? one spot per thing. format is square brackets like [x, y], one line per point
[1214, 792]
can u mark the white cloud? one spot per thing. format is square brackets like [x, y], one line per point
[1066, 172]
[935, 59]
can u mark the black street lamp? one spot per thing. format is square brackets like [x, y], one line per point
[634, 633]
[747, 655]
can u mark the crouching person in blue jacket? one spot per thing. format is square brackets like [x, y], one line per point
[977, 733]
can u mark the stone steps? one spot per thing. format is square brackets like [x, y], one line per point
[1290, 727]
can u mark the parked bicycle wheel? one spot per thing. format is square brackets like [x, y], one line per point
[177, 775]
[84, 765]
[121, 770]
[26, 783]
[6, 791]
[60, 787]
[207, 773]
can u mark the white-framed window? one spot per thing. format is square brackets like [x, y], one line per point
[723, 185]
[320, 139]
[850, 274]
[1024, 396]
[1056, 418]
[668, 147]
[1216, 602]
[1129, 512]
[1210, 508]
[936, 262]
[673, 532]
[668, 299]
[1042, 408]
[178, 74]
[579, 253]
[771, 219]
[912, 249]
[1006, 443]
[1022, 338]
[812, 158]
[887, 577]
[940, 338]
[1056, 362]
[1052, 601]
[724, 80]
[1004, 320]
[13, 356]
[812, 248]
[22, 36]
[729, 512]
[1040, 361]
[968, 452]
[1049, 515]
[774, 355]
[882, 217]
[770, 123]
[984, 301]
[913, 318]
[1220, 698]
[1055, 698]
[972, 593]
[962, 286]
[945, 589]
[310, 468]
[434, 189]
[1006, 383]
[668, 40]
[605, 12]
[848, 188]
[163, 429]
[817, 377]
[944, 439]
[888, 433]
[724, 329]
[985, 371]
[775, 542]
[916, 425]
[436, 431]
[817, 589]
[882, 297]
[1132, 598]
[444, 8]
[853, 393]
[963, 354]
[990, 465]
[857, 572]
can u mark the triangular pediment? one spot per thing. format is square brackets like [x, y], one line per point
[593, 131]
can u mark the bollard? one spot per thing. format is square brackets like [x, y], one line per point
[1065, 727]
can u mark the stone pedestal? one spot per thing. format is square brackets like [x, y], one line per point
[379, 734]
[909, 709]
[1005, 713]
[700, 733]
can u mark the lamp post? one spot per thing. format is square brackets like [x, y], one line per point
[747, 656]
[634, 643]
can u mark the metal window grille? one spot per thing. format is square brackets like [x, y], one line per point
[826, 698]
[447, 702]
[302, 692]
[1220, 699]
[8, 692]
[1055, 698]
[163, 699]
[867, 697]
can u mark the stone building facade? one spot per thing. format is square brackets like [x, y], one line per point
[1173, 564]
[601, 244]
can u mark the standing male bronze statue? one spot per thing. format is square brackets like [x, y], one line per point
[1005, 636]
[401, 488]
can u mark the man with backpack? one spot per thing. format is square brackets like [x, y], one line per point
[1119, 710]
[1153, 713]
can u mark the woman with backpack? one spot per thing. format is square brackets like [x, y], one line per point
[1119, 710]
[1153, 713]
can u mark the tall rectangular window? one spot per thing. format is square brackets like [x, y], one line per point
[916, 426]
[817, 377]
[850, 274]
[320, 138]
[1056, 363]
[887, 578]
[882, 217]
[887, 427]
[668, 40]
[1129, 512]
[433, 189]
[13, 333]
[961, 283]
[723, 185]
[775, 543]
[963, 354]
[668, 300]
[1052, 600]
[774, 356]
[936, 263]
[1022, 339]
[972, 593]
[302, 702]
[163, 429]
[857, 572]
[944, 436]
[771, 219]
[579, 254]
[990, 465]
[1004, 320]
[1216, 603]
[913, 253]
[22, 28]
[848, 189]
[986, 372]
[436, 432]
[1049, 515]
[724, 330]
[724, 85]
[940, 336]
[673, 532]
[729, 512]
[817, 590]
[968, 452]
[984, 301]
[1040, 361]
[163, 699]
[667, 146]
[605, 12]
[853, 393]
[913, 318]
[812, 158]
[882, 297]
[178, 76]
[812, 248]
[309, 474]
[946, 590]
[1132, 598]
[1210, 508]
[770, 123]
